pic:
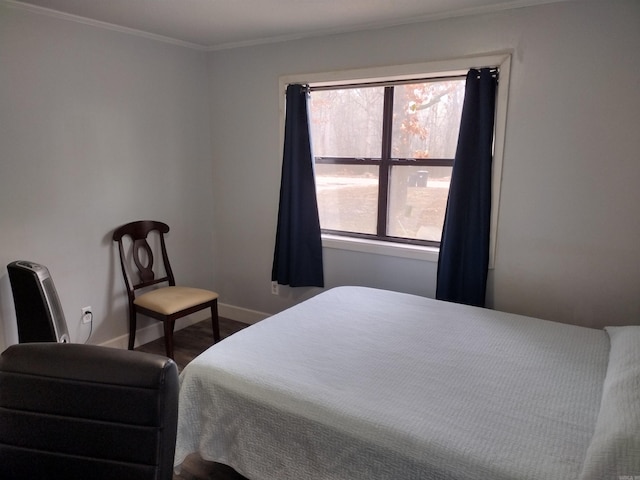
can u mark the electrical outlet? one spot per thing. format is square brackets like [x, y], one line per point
[87, 315]
[275, 290]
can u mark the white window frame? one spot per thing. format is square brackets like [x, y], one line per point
[407, 72]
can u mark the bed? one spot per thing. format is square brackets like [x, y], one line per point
[359, 383]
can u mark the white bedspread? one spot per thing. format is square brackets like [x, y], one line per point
[359, 383]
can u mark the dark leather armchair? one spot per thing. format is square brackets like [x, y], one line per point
[70, 411]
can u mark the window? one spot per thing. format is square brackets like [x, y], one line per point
[345, 80]
[384, 155]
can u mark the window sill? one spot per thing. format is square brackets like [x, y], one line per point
[390, 249]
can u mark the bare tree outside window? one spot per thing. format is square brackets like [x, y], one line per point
[383, 157]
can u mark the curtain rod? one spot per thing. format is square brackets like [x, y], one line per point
[388, 83]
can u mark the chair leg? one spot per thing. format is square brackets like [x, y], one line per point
[132, 327]
[168, 337]
[215, 321]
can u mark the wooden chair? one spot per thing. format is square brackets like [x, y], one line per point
[166, 303]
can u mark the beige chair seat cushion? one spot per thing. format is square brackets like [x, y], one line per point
[169, 300]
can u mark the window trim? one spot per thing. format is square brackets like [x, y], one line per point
[380, 247]
[457, 66]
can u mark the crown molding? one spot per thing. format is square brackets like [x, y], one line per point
[465, 12]
[97, 23]
[434, 17]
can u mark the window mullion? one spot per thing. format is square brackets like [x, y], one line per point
[385, 163]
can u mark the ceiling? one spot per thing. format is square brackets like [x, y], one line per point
[216, 24]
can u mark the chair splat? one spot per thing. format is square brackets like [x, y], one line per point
[145, 271]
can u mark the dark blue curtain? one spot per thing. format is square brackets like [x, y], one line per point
[297, 260]
[464, 249]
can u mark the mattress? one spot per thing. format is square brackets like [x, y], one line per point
[359, 383]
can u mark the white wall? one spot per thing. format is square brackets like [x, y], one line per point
[98, 128]
[568, 246]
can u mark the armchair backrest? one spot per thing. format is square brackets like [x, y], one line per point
[83, 411]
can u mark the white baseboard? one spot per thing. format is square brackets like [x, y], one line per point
[154, 331]
[240, 314]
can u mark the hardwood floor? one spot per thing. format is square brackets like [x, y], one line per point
[194, 468]
[189, 343]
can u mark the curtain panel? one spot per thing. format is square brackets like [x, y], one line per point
[297, 259]
[464, 249]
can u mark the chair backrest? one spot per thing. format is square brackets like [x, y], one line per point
[83, 411]
[141, 254]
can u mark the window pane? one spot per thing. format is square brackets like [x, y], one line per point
[347, 122]
[427, 119]
[347, 197]
[417, 201]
